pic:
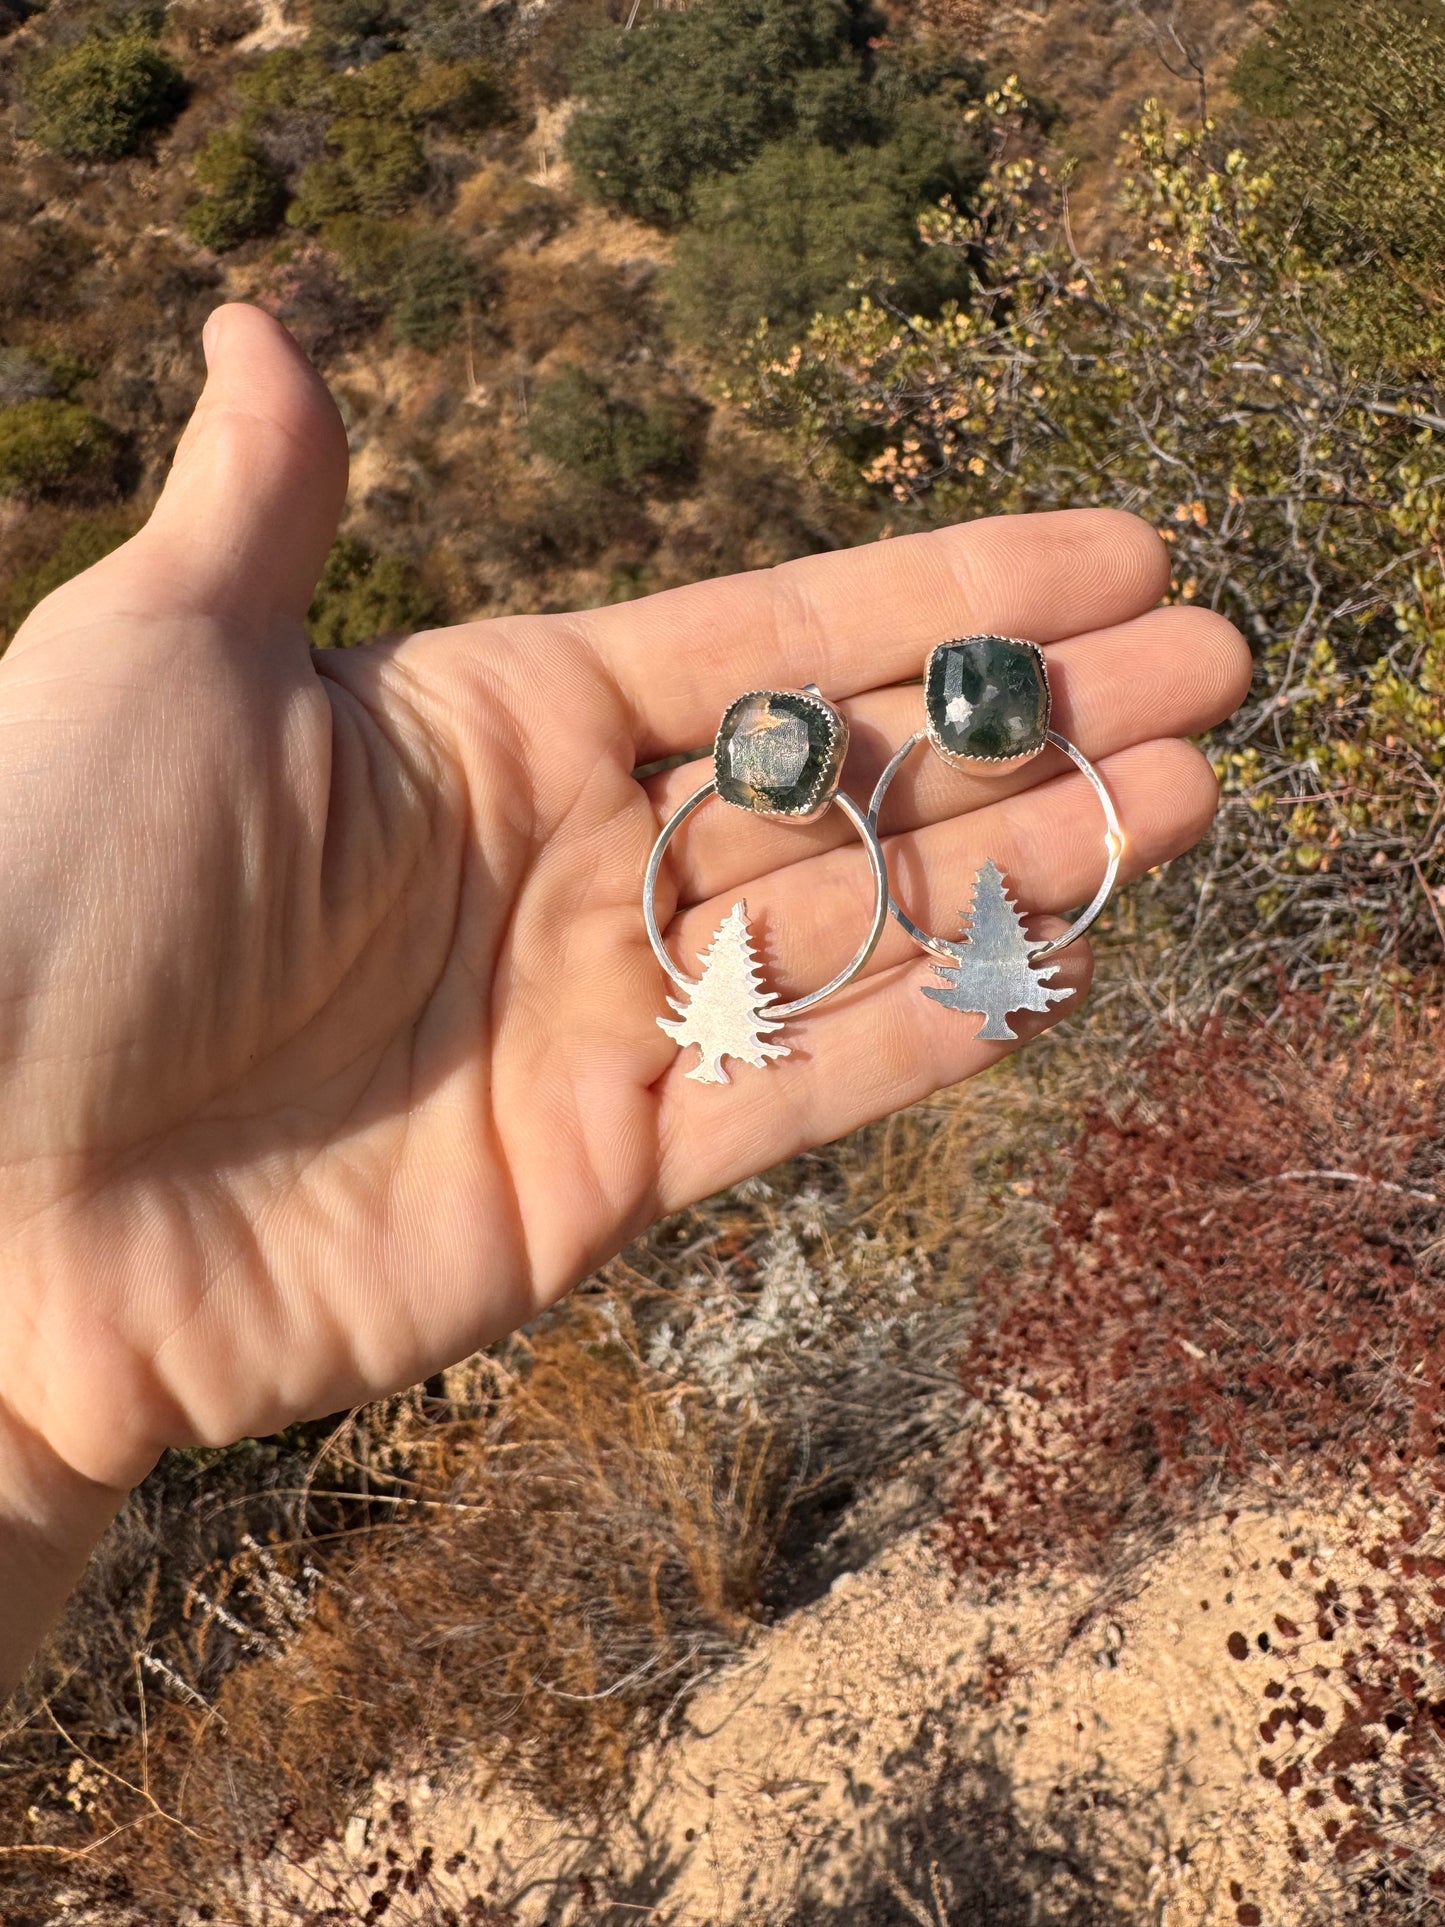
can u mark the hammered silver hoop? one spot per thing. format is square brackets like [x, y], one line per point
[1037, 952]
[861, 957]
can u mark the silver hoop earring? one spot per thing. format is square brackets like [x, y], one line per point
[779, 753]
[987, 703]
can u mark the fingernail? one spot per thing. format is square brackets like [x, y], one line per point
[210, 334]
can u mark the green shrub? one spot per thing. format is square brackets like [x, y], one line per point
[423, 277]
[376, 163]
[246, 197]
[558, 44]
[371, 122]
[1355, 139]
[377, 91]
[100, 99]
[384, 161]
[109, 18]
[325, 193]
[432, 284]
[462, 96]
[36, 374]
[288, 81]
[701, 92]
[362, 595]
[346, 26]
[371, 252]
[376, 167]
[48, 445]
[575, 422]
[84, 541]
[787, 237]
[449, 30]
[206, 26]
[398, 87]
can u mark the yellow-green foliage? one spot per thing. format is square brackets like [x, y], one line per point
[375, 162]
[604, 439]
[288, 81]
[1207, 379]
[374, 167]
[343, 23]
[102, 98]
[1353, 111]
[372, 121]
[375, 123]
[462, 96]
[245, 194]
[85, 539]
[49, 445]
[363, 595]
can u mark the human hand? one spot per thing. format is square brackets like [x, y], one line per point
[327, 1018]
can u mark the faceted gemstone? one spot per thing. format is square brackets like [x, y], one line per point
[780, 753]
[987, 699]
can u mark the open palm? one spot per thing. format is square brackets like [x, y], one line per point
[327, 1019]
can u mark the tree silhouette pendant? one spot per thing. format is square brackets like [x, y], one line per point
[993, 975]
[724, 1013]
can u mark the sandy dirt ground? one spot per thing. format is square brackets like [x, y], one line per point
[899, 1751]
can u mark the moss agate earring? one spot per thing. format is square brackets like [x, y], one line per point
[987, 704]
[778, 752]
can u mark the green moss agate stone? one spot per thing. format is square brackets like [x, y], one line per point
[780, 753]
[987, 699]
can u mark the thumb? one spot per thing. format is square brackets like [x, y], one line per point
[257, 487]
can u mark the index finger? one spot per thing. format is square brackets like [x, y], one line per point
[865, 617]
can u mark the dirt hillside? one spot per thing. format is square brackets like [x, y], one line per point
[899, 1752]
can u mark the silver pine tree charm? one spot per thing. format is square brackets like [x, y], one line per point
[993, 975]
[723, 1014]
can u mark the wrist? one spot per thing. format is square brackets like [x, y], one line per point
[51, 1518]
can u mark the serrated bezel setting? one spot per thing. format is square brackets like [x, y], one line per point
[815, 785]
[944, 735]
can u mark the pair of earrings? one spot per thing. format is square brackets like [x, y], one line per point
[779, 752]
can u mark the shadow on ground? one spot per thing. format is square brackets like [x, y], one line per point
[943, 1844]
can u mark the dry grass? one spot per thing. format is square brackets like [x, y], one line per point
[534, 1561]
[559, 1570]
[538, 1557]
[531, 1562]
[96, 261]
[535, 1558]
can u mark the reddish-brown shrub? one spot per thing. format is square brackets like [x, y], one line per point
[1245, 1277]
[1243, 1288]
[1352, 1732]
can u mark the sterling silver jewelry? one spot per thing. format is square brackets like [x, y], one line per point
[987, 702]
[778, 752]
